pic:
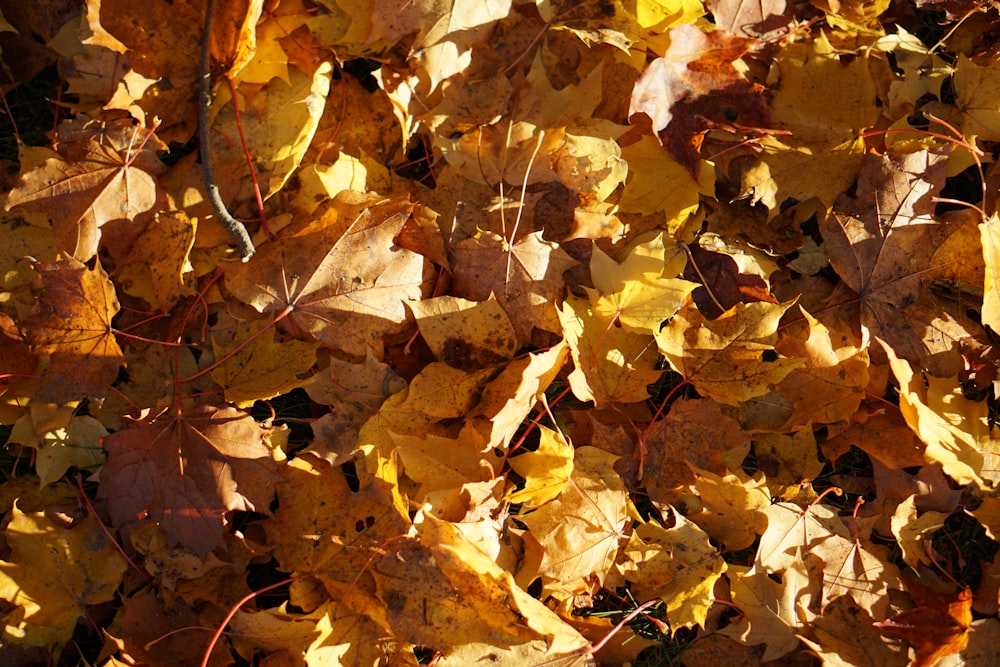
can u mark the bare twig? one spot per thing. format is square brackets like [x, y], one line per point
[232, 225]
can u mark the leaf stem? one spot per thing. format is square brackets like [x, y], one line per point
[236, 607]
[231, 224]
[239, 348]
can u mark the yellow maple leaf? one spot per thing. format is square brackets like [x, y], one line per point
[643, 290]
[830, 384]
[254, 366]
[465, 334]
[912, 531]
[657, 182]
[546, 471]
[612, 364]
[733, 508]
[990, 231]
[53, 571]
[955, 429]
[732, 358]
[678, 565]
[507, 400]
[770, 609]
[822, 156]
[76, 443]
[578, 532]
[976, 90]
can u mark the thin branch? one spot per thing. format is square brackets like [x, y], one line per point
[232, 225]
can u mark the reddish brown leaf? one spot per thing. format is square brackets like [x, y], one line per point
[723, 286]
[936, 628]
[152, 634]
[186, 471]
[694, 87]
[71, 323]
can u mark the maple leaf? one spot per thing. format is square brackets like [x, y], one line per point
[278, 127]
[918, 78]
[185, 471]
[144, 619]
[695, 87]
[912, 531]
[845, 633]
[990, 236]
[340, 278]
[731, 358]
[955, 429]
[355, 392]
[71, 323]
[58, 449]
[678, 565]
[158, 267]
[883, 435]
[882, 242]
[788, 461]
[257, 366]
[446, 30]
[525, 277]
[656, 182]
[323, 525]
[642, 291]
[770, 609]
[54, 569]
[546, 471]
[976, 90]
[465, 334]
[105, 175]
[850, 567]
[594, 22]
[723, 283]
[578, 532]
[937, 627]
[830, 384]
[438, 463]
[789, 528]
[326, 635]
[678, 444]
[507, 399]
[733, 506]
[612, 364]
[161, 46]
[823, 153]
[751, 18]
[511, 614]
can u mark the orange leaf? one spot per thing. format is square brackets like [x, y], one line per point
[72, 323]
[937, 628]
[96, 179]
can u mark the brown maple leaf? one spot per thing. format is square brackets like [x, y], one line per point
[185, 471]
[526, 277]
[344, 277]
[694, 87]
[882, 243]
[71, 323]
[103, 172]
